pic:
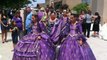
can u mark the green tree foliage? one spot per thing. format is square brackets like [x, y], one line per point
[81, 7]
[64, 6]
[58, 5]
[13, 4]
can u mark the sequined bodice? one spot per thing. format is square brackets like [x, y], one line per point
[34, 29]
[51, 24]
[64, 20]
[73, 29]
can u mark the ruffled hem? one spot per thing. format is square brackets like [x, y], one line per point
[25, 54]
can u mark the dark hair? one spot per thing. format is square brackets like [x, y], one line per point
[82, 11]
[28, 7]
[38, 6]
[75, 16]
[53, 12]
[89, 12]
[47, 5]
[97, 14]
[17, 12]
[12, 23]
[3, 15]
[38, 24]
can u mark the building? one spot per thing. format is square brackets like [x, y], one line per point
[100, 6]
[71, 3]
[95, 5]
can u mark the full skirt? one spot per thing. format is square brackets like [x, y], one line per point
[30, 48]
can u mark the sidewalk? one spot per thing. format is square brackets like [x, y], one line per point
[6, 48]
[98, 46]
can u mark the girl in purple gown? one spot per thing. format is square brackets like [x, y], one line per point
[52, 27]
[36, 45]
[74, 46]
[61, 30]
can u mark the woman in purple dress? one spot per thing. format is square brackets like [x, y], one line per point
[74, 46]
[63, 26]
[36, 45]
[18, 20]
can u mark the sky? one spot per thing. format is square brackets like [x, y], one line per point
[84, 1]
[34, 4]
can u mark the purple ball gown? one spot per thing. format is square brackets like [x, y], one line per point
[31, 48]
[53, 30]
[60, 30]
[70, 49]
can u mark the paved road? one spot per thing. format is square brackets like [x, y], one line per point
[98, 46]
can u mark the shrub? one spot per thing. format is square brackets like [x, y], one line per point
[81, 7]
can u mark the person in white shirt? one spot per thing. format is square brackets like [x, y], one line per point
[88, 18]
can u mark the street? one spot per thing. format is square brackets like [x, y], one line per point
[98, 46]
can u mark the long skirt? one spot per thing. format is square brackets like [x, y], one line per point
[71, 50]
[31, 48]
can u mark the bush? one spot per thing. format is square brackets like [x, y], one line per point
[64, 6]
[81, 7]
[58, 5]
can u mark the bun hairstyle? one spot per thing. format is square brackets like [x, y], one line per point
[12, 23]
[3, 15]
[38, 24]
[53, 12]
[34, 13]
[97, 14]
[75, 16]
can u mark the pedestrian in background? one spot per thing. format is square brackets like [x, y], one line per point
[88, 18]
[82, 20]
[96, 26]
[14, 29]
[28, 20]
[18, 19]
[47, 9]
[4, 28]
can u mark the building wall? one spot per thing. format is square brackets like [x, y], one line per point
[99, 6]
[71, 3]
[105, 11]
[94, 6]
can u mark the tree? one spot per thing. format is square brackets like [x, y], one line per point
[58, 5]
[13, 4]
[64, 6]
[81, 7]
